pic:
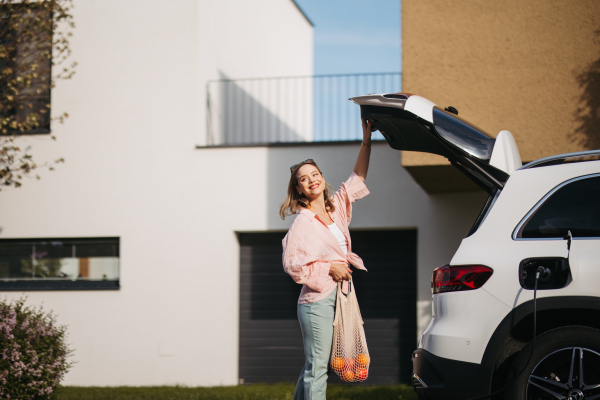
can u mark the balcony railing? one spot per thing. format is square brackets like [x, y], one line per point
[291, 109]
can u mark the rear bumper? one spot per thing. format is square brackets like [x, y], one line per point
[437, 378]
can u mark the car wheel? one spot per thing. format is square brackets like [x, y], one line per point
[565, 365]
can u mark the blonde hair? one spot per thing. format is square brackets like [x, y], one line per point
[294, 202]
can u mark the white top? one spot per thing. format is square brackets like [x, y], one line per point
[339, 236]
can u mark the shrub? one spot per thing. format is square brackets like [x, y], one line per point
[33, 352]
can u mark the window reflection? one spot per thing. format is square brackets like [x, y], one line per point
[463, 134]
[573, 207]
[59, 259]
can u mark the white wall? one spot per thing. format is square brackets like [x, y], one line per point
[132, 171]
[180, 260]
[255, 39]
[261, 110]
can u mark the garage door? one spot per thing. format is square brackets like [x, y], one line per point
[270, 337]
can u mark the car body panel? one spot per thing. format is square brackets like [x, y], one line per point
[421, 107]
[443, 378]
[469, 325]
[493, 245]
[456, 319]
[417, 124]
[585, 266]
[462, 324]
[506, 155]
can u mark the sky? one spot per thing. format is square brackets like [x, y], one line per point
[355, 36]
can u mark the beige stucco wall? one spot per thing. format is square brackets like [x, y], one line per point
[132, 171]
[529, 66]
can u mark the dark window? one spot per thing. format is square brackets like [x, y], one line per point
[25, 66]
[59, 264]
[574, 207]
[463, 134]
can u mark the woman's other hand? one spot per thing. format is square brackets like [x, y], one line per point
[340, 272]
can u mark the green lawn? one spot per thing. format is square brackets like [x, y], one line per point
[282, 391]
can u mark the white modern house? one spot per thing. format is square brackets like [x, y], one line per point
[164, 218]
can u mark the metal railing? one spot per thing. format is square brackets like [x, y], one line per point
[290, 109]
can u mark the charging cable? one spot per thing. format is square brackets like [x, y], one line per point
[542, 272]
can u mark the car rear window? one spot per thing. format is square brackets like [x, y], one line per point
[463, 134]
[574, 207]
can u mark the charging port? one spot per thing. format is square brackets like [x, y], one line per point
[555, 273]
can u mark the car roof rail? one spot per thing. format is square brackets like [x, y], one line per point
[581, 156]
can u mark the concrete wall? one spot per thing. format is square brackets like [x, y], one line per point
[255, 39]
[148, 61]
[530, 66]
[179, 251]
[133, 171]
[136, 110]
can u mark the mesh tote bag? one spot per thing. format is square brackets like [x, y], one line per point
[349, 354]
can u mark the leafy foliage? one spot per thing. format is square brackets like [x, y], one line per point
[34, 41]
[33, 352]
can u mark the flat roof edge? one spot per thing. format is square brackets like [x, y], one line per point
[289, 144]
[303, 13]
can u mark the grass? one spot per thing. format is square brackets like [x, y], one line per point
[280, 391]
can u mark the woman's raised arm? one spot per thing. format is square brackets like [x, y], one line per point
[362, 162]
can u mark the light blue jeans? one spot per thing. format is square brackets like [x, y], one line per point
[316, 321]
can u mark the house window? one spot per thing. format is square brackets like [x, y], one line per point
[25, 68]
[59, 264]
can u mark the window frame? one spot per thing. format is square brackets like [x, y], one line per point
[518, 231]
[60, 284]
[44, 128]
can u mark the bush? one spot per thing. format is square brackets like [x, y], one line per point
[33, 352]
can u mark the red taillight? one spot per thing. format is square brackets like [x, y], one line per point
[460, 277]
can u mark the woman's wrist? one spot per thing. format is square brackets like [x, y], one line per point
[366, 143]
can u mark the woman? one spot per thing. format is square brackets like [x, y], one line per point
[317, 253]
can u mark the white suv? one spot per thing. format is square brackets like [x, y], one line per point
[538, 235]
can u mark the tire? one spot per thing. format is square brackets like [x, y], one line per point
[553, 371]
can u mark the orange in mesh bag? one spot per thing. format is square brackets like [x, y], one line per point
[349, 354]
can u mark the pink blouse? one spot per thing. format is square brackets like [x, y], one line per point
[310, 247]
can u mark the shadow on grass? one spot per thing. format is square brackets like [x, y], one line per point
[281, 391]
